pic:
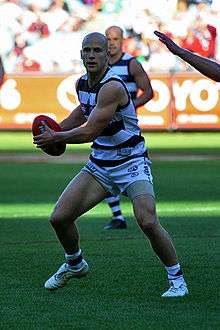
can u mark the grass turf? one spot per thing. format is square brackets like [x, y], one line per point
[163, 143]
[123, 289]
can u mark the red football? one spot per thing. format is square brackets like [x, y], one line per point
[54, 149]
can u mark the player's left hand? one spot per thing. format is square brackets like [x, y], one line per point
[46, 138]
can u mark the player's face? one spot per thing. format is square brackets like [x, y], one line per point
[94, 56]
[115, 41]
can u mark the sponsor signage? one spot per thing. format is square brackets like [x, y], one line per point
[23, 97]
[156, 113]
[196, 102]
[181, 101]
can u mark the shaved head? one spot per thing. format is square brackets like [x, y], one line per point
[97, 38]
[116, 29]
[114, 35]
[94, 54]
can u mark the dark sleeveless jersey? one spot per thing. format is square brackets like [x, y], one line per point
[121, 140]
[121, 68]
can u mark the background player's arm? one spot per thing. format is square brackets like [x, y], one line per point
[143, 83]
[204, 65]
[111, 95]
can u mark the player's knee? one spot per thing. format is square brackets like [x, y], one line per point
[55, 219]
[148, 225]
[58, 219]
[147, 219]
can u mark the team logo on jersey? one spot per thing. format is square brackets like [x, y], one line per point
[132, 168]
[134, 174]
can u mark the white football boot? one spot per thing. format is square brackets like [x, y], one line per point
[64, 274]
[176, 290]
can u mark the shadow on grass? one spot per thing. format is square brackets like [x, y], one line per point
[125, 277]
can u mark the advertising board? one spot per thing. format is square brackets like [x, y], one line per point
[181, 101]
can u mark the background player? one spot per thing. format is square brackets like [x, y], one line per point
[139, 86]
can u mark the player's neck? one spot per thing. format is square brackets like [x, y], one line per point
[115, 58]
[95, 77]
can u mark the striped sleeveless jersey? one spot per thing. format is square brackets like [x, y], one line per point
[121, 68]
[121, 140]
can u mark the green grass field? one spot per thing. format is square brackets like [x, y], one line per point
[122, 290]
[176, 142]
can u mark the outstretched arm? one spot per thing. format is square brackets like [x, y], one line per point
[204, 65]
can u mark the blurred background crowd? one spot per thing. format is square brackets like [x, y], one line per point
[46, 35]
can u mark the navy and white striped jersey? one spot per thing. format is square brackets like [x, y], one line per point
[121, 140]
[121, 68]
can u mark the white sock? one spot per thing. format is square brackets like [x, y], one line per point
[114, 204]
[74, 260]
[175, 274]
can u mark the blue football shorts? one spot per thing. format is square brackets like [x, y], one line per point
[132, 178]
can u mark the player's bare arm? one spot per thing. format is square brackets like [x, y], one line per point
[111, 95]
[75, 119]
[204, 65]
[143, 83]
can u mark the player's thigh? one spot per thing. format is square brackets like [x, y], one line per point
[81, 194]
